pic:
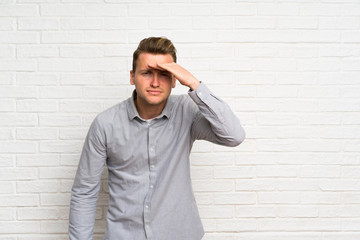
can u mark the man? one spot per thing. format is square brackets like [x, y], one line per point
[145, 142]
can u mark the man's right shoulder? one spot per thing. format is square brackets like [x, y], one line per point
[112, 114]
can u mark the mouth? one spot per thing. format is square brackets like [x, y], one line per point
[154, 92]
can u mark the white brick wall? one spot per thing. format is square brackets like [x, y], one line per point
[289, 68]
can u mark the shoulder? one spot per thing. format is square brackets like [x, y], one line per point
[108, 116]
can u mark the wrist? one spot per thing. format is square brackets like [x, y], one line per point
[193, 86]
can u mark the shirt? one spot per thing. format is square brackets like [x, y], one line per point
[150, 191]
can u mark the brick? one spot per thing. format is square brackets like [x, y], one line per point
[125, 23]
[213, 186]
[81, 52]
[72, 79]
[7, 214]
[242, 9]
[255, 212]
[255, 22]
[8, 187]
[36, 106]
[7, 24]
[37, 187]
[37, 160]
[58, 120]
[235, 198]
[234, 172]
[18, 37]
[18, 65]
[37, 213]
[222, 22]
[55, 199]
[60, 146]
[19, 227]
[171, 23]
[256, 185]
[299, 224]
[278, 197]
[298, 185]
[297, 23]
[107, 10]
[60, 92]
[81, 24]
[38, 24]
[18, 147]
[73, 133]
[185, 10]
[298, 212]
[235, 225]
[37, 51]
[36, 79]
[278, 9]
[62, 37]
[19, 200]
[276, 171]
[316, 197]
[7, 52]
[59, 65]
[338, 23]
[61, 10]
[18, 10]
[320, 10]
[54, 226]
[214, 212]
[36, 133]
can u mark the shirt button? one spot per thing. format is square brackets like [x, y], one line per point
[152, 166]
[151, 149]
[147, 206]
[151, 186]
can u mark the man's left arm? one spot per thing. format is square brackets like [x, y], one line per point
[215, 122]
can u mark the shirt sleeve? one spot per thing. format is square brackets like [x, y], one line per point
[87, 184]
[215, 121]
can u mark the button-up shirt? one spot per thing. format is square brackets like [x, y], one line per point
[150, 190]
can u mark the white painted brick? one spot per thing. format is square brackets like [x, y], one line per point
[37, 51]
[234, 172]
[7, 214]
[184, 10]
[7, 187]
[301, 224]
[38, 24]
[213, 186]
[256, 185]
[320, 197]
[171, 23]
[36, 133]
[60, 92]
[201, 173]
[125, 23]
[282, 9]
[339, 211]
[249, 211]
[60, 146]
[340, 236]
[19, 200]
[242, 9]
[81, 52]
[61, 10]
[297, 22]
[36, 106]
[24, 79]
[278, 197]
[59, 65]
[73, 133]
[106, 10]
[276, 171]
[7, 52]
[51, 120]
[37, 160]
[7, 23]
[80, 106]
[37, 186]
[338, 23]
[222, 22]
[319, 172]
[19, 227]
[235, 225]
[80, 79]
[18, 147]
[255, 22]
[288, 184]
[55, 199]
[298, 212]
[201, 158]
[7, 160]
[214, 212]
[18, 10]
[37, 213]
[81, 24]
[62, 37]
[235, 198]
[320, 10]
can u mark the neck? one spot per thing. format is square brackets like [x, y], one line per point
[147, 111]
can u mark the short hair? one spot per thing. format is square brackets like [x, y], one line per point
[154, 45]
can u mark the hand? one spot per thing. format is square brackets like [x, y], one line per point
[180, 73]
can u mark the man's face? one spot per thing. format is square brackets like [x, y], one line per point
[153, 86]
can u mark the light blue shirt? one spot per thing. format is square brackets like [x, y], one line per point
[150, 190]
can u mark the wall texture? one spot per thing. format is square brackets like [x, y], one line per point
[289, 68]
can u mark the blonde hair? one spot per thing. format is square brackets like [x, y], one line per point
[154, 45]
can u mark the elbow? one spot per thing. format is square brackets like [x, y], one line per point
[239, 137]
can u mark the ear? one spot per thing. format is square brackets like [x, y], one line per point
[132, 77]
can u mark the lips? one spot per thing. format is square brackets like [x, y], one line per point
[154, 92]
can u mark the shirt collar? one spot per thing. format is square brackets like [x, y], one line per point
[133, 113]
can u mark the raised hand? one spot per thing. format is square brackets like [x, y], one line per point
[180, 73]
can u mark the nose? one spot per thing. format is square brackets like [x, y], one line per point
[155, 80]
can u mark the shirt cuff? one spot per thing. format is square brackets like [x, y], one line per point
[200, 94]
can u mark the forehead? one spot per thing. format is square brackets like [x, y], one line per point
[149, 58]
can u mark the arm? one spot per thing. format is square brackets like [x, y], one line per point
[215, 122]
[86, 185]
